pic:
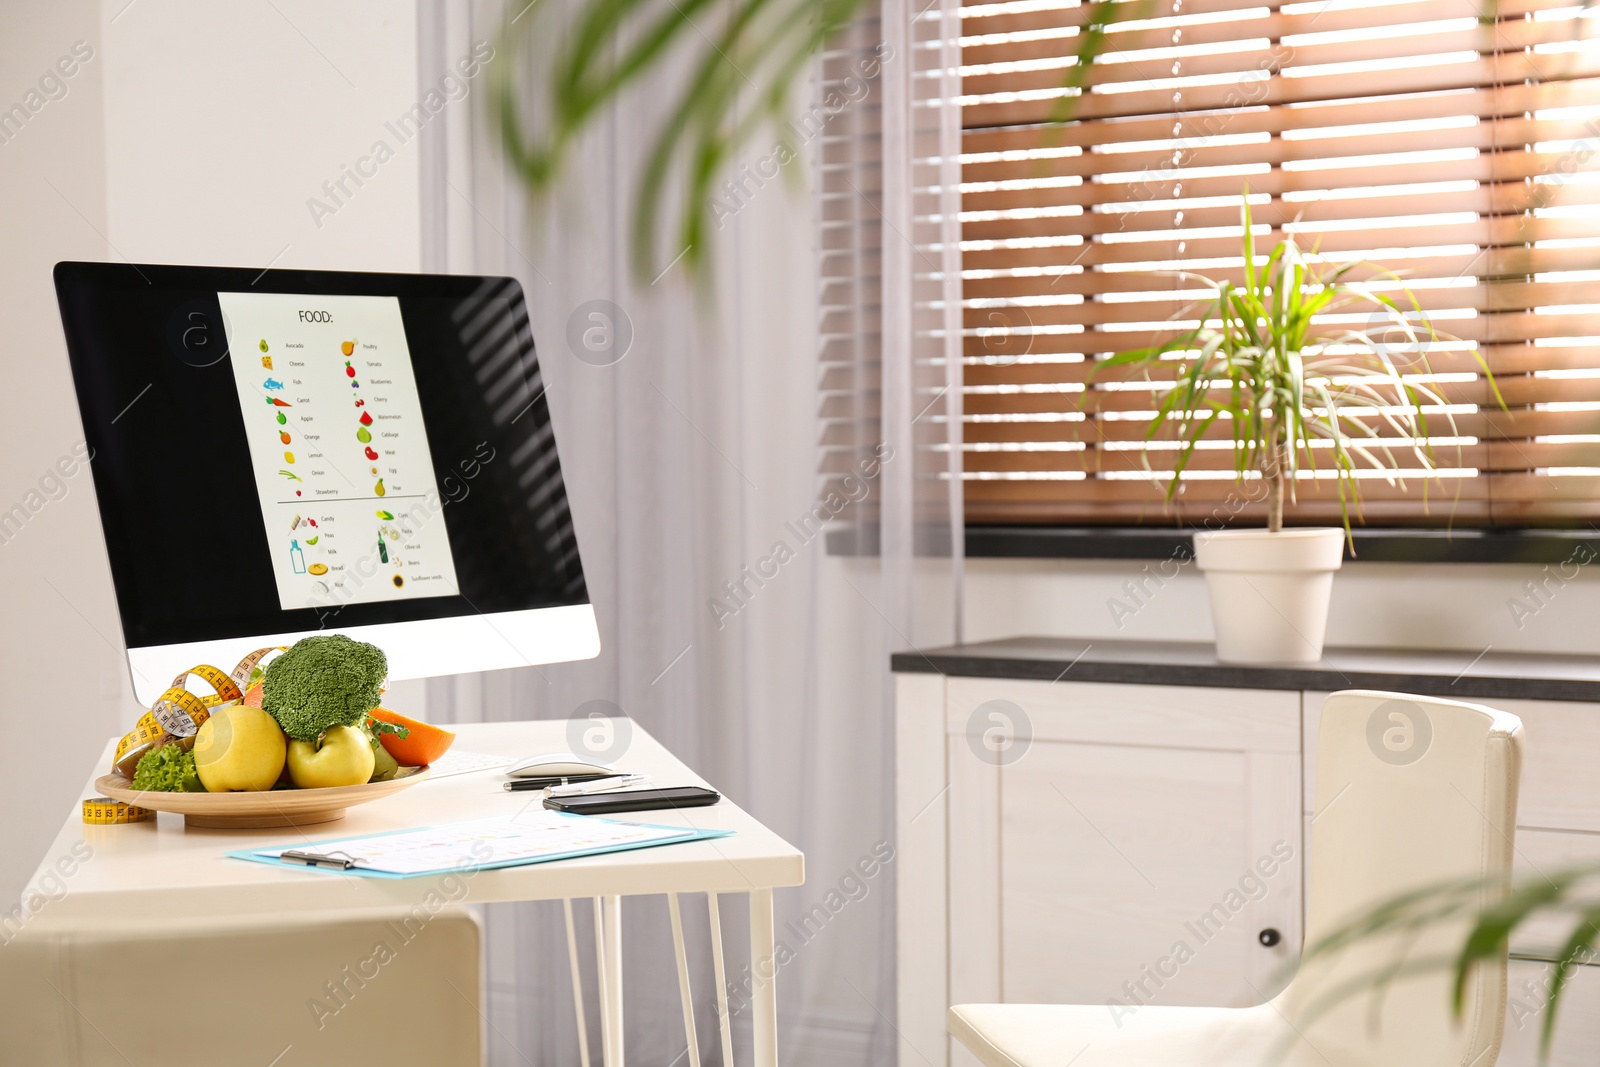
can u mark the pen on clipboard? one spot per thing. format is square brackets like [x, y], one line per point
[337, 861]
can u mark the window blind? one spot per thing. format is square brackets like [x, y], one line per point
[1456, 142]
[849, 265]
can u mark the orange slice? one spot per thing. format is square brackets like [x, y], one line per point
[422, 746]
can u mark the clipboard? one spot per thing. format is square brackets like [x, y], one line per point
[537, 836]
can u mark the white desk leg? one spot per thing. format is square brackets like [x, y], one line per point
[683, 981]
[600, 980]
[724, 1024]
[613, 987]
[577, 983]
[764, 1008]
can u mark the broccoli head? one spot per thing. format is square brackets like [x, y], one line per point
[322, 682]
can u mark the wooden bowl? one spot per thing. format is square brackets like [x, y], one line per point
[249, 811]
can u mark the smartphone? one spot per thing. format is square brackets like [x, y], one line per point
[689, 796]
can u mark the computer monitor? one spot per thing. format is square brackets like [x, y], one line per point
[283, 453]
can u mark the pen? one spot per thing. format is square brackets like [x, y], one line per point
[313, 859]
[578, 789]
[518, 785]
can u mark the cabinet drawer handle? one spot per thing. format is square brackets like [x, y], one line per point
[1269, 937]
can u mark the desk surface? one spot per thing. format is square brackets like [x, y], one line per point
[1463, 675]
[163, 869]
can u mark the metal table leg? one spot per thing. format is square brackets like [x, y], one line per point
[577, 984]
[763, 965]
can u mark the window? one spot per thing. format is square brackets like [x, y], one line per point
[1464, 154]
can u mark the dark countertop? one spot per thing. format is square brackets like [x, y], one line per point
[1192, 663]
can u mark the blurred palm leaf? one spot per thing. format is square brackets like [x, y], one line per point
[740, 62]
[1573, 893]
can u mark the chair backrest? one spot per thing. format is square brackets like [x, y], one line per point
[1410, 791]
[400, 986]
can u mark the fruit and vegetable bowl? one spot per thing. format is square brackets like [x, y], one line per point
[293, 744]
[252, 810]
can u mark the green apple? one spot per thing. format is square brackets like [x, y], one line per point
[341, 756]
[386, 765]
[239, 748]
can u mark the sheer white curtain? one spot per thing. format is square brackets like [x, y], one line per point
[689, 458]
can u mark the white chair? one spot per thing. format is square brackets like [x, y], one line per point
[1409, 791]
[400, 987]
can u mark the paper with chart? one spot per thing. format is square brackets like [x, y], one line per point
[535, 836]
[342, 466]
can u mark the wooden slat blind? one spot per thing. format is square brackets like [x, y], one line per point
[849, 265]
[1454, 141]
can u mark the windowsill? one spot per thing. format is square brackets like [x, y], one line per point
[1372, 545]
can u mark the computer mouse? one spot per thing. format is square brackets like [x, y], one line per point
[558, 765]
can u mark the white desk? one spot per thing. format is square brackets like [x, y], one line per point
[137, 871]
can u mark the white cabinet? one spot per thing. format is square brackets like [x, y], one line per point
[1101, 844]
[1119, 844]
[1577, 1032]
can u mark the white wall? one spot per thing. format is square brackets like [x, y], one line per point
[1436, 606]
[61, 674]
[223, 120]
[196, 134]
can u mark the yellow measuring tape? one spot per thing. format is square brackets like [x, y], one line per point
[103, 811]
[177, 713]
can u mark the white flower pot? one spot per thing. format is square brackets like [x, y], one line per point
[1269, 591]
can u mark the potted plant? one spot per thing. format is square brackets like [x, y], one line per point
[1295, 396]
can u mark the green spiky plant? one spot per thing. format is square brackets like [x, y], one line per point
[1289, 391]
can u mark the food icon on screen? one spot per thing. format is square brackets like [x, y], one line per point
[292, 476]
[319, 568]
[399, 581]
[366, 418]
[263, 345]
[266, 362]
[379, 489]
[361, 403]
[283, 436]
[348, 348]
[288, 457]
[386, 516]
[372, 453]
[319, 588]
[272, 383]
[363, 435]
[355, 385]
[383, 549]
[349, 371]
[313, 540]
[282, 418]
[295, 525]
[275, 402]
[374, 470]
[297, 558]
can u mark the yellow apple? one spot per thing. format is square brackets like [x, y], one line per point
[239, 748]
[342, 756]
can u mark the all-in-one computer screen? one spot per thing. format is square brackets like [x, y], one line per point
[283, 453]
